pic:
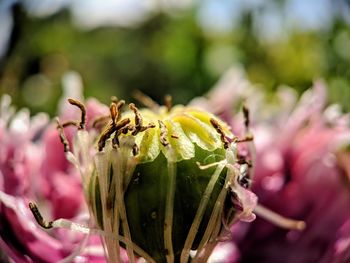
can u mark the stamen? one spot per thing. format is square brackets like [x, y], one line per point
[207, 166]
[120, 104]
[200, 213]
[138, 118]
[246, 116]
[169, 212]
[174, 136]
[126, 129]
[244, 177]
[145, 100]
[242, 160]
[163, 133]
[168, 102]
[138, 121]
[213, 226]
[38, 217]
[112, 127]
[219, 129]
[113, 111]
[105, 135]
[100, 121]
[83, 112]
[70, 123]
[247, 138]
[150, 125]
[114, 99]
[123, 123]
[279, 220]
[63, 137]
[135, 149]
[63, 223]
[115, 141]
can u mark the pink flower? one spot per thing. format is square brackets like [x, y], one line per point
[306, 181]
[20, 158]
[33, 167]
[301, 172]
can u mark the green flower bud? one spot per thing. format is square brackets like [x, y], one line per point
[163, 182]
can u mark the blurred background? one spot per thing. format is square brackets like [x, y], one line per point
[177, 47]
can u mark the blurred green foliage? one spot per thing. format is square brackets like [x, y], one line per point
[165, 55]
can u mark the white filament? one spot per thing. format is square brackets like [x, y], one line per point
[213, 228]
[169, 209]
[64, 223]
[119, 163]
[200, 212]
[277, 219]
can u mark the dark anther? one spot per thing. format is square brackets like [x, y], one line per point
[83, 112]
[247, 138]
[115, 110]
[246, 116]
[219, 129]
[115, 141]
[115, 125]
[99, 122]
[245, 181]
[145, 100]
[163, 133]
[174, 136]
[242, 160]
[150, 125]
[70, 123]
[127, 128]
[122, 124]
[120, 104]
[135, 149]
[38, 217]
[168, 102]
[114, 99]
[138, 121]
[244, 178]
[63, 138]
[106, 133]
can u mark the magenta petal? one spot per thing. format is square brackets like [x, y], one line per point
[342, 245]
[55, 159]
[245, 201]
[302, 171]
[95, 109]
[23, 236]
[66, 195]
[224, 253]
[13, 254]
